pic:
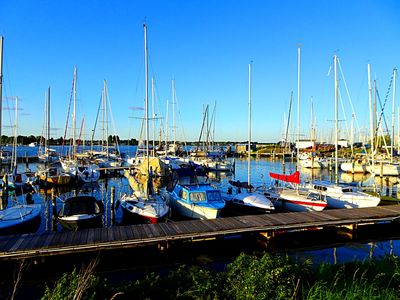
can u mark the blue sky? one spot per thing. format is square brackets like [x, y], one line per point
[205, 46]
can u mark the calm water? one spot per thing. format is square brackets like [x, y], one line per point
[260, 169]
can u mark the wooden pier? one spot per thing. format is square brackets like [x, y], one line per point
[119, 237]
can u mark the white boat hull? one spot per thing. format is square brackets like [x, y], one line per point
[294, 200]
[195, 211]
[249, 200]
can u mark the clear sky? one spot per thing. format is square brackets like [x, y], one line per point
[205, 46]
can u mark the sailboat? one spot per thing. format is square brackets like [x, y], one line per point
[208, 157]
[79, 170]
[107, 156]
[144, 204]
[45, 153]
[51, 174]
[289, 196]
[16, 179]
[244, 196]
[341, 195]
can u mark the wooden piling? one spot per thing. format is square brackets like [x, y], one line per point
[54, 210]
[112, 200]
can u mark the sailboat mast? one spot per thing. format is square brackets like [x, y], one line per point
[153, 116]
[15, 135]
[336, 116]
[393, 106]
[103, 101]
[298, 106]
[74, 117]
[48, 119]
[249, 128]
[166, 130]
[371, 118]
[147, 94]
[288, 120]
[1, 84]
[173, 115]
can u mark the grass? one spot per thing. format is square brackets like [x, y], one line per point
[248, 277]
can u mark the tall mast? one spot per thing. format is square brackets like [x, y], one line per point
[371, 118]
[74, 116]
[153, 116]
[103, 119]
[288, 120]
[1, 85]
[166, 130]
[336, 117]
[298, 105]
[15, 135]
[173, 114]
[147, 95]
[106, 114]
[48, 119]
[393, 106]
[214, 121]
[249, 127]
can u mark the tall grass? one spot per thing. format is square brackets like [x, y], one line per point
[248, 277]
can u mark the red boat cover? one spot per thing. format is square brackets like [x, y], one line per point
[293, 178]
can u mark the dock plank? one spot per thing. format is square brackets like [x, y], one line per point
[57, 243]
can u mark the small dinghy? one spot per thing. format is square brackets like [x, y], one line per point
[81, 212]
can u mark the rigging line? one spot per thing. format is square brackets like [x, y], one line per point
[202, 127]
[95, 123]
[344, 114]
[348, 95]
[181, 121]
[210, 136]
[68, 112]
[382, 115]
[383, 107]
[108, 103]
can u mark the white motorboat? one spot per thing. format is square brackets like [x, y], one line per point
[243, 197]
[342, 195]
[295, 199]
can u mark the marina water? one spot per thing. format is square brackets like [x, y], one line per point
[299, 245]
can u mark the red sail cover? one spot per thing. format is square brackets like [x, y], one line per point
[293, 178]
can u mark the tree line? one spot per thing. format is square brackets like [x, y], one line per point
[40, 140]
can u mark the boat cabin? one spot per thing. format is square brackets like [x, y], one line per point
[198, 193]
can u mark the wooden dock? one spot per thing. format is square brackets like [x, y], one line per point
[118, 237]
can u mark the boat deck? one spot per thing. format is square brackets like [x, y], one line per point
[118, 237]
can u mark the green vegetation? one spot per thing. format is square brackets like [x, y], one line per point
[248, 277]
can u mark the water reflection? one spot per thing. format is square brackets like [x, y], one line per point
[260, 169]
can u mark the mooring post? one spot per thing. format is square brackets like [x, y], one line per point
[54, 210]
[26, 161]
[112, 215]
[387, 185]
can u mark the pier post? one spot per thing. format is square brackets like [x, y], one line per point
[112, 215]
[381, 169]
[387, 183]
[54, 210]
[26, 161]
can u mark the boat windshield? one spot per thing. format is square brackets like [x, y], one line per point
[197, 196]
[347, 190]
[214, 196]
